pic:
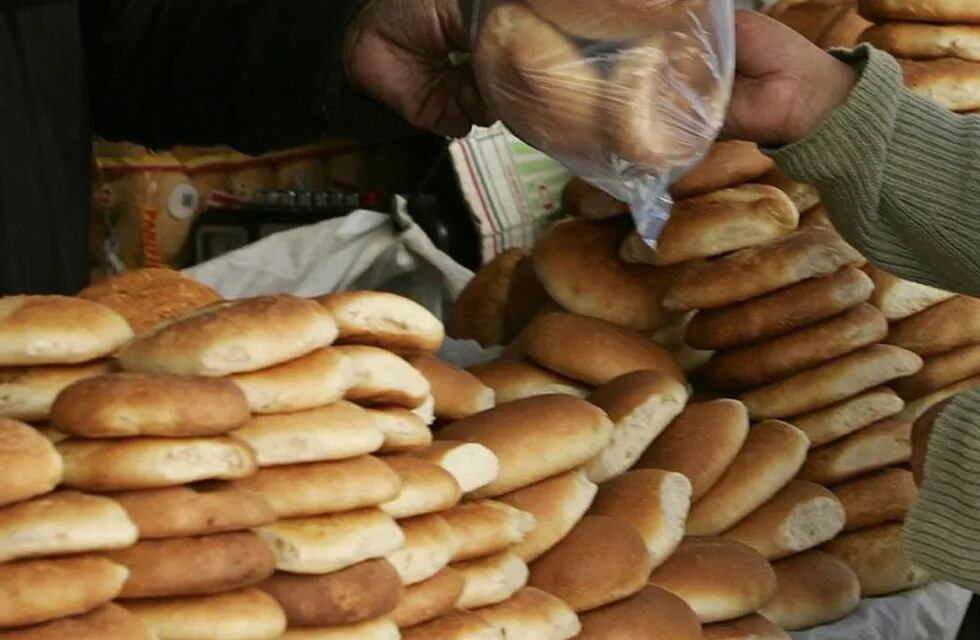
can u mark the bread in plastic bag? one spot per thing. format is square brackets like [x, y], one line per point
[628, 94]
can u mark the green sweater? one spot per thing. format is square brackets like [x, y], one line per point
[900, 178]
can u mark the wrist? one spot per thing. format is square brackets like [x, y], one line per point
[822, 94]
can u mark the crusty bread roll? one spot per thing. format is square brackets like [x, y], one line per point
[324, 487]
[718, 223]
[602, 350]
[29, 464]
[362, 592]
[921, 10]
[944, 327]
[750, 627]
[485, 527]
[779, 313]
[700, 444]
[816, 217]
[385, 320]
[472, 465]
[832, 382]
[719, 579]
[809, 253]
[194, 566]
[382, 628]
[457, 392]
[879, 556]
[878, 498]
[729, 163]
[109, 621]
[335, 432]
[557, 505]
[524, 436]
[844, 418]
[810, 18]
[430, 599]
[246, 614]
[382, 378]
[35, 591]
[899, 299]
[801, 516]
[27, 393]
[881, 445]
[804, 196]
[149, 297]
[601, 561]
[534, 78]
[766, 362]
[949, 82]
[61, 523]
[403, 430]
[233, 337]
[455, 625]
[518, 380]
[425, 488]
[532, 613]
[940, 371]
[654, 502]
[123, 405]
[578, 263]
[846, 30]
[773, 453]
[915, 409]
[315, 380]
[813, 589]
[919, 41]
[580, 199]
[57, 330]
[429, 546]
[526, 297]
[324, 544]
[640, 405]
[194, 510]
[480, 312]
[490, 580]
[150, 463]
[651, 613]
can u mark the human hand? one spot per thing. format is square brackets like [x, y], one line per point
[921, 432]
[397, 51]
[785, 86]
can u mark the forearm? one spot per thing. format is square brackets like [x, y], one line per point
[900, 178]
[256, 74]
[943, 528]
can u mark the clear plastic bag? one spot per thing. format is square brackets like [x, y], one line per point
[628, 94]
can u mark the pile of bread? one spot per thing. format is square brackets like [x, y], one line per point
[780, 324]
[827, 23]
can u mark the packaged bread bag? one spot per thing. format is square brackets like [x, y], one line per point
[248, 176]
[299, 169]
[207, 168]
[627, 94]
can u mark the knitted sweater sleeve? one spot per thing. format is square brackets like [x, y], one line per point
[900, 178]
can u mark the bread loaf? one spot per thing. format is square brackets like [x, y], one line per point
[315, 380]
[480, 312]
[382, 378]
[801, 516]
[779, 313]
[729, 163]
[946, 326]
[719, 579]
[557, 505]
[601, 561]
[457, 392]
[949, 82]
[247, 614]
[233, 337]
[385, 320]
[359, 593]
[899, 299]
[700, 444]
[813, 589]
[425, 488]
[878, 498]
[618, 20]
[124, 405]
[921, 10]
[429, 546]
[532, 613]
[640, 405]
[526, 298]
[940, 371]
[751, 627]
[455, 625]
[602, 350]
[109, 621]
[844, 418]
[804, 196]
[382, 628]
[485, 527]
[335, 432]
[582, 200]
[425, 601]
[915, 409]
[832, 382]
[472, 465]
[57, 330]
[773, 453]
[403, 430]
[879, 557]
[651, 613]
[920, 41]
[881, 445]
[27, 393]
[324, 487]
[29, 464]
[490, 580]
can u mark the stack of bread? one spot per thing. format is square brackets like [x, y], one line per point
[937, 43]
[827, 23]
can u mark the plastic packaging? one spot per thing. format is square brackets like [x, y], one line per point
[628, 94]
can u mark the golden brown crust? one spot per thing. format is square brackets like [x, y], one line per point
[751, 627]
[454, 625]
[881, 445]
[480, 310]
[428, 600]
[27, 393]
[244, 613]
[425, 488]
[814, 588]
[949, 82]
[845, 31]
[386, 320]
[879, 498]
[382, 378]
[879, 557]
[804, 196]
[109, 621]
[940, 371]
[729, 163]
[844, 418]
[921, 10]
[518, 380]
[582, 200]
[314, 380]
[485, 527]
[946, 326]
[651, 613]
[457, 392]
[811, 18]
[532, 613]
[899, 299]
[31, 465]
[920, 41]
